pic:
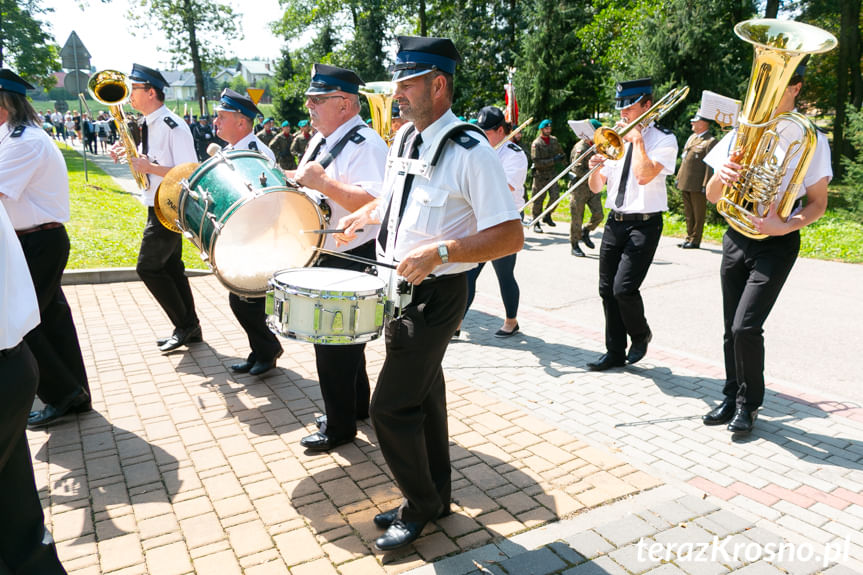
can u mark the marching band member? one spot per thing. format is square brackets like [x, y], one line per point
[344, 163]
[636, 198]
[438, 220]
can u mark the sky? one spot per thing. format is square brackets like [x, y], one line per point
[104, 31]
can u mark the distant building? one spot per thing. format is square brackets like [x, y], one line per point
[255, 70]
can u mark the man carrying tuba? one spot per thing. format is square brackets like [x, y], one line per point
[753, 271]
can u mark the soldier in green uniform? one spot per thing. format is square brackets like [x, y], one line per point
[301, 139]
[692, 178]
[545, 152]
[266, 134]
[281, 147]
[582, 196]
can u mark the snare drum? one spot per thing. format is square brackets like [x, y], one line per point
[237, 210]
[326, 305]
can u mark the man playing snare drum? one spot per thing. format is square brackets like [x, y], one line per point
[344, 164]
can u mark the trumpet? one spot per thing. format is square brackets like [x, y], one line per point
[608, 142]
[113, 89]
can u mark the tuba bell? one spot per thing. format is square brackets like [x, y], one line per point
[767, 145]
[380, 96]
[113, 89]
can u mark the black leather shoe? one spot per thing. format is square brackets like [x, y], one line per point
[549, 222]
[576, 251]
[385, 519]
[743, 421]
[320, 421]
[399, 534]
[690, 246]
[606, 361]
[720, 414]
[682, 244]
[265, 366]
[585, 237]
[321, 442]
[537, 228]
[182, 336]
[244, 366]
[502, 333]
[50, 414]
[638, 348]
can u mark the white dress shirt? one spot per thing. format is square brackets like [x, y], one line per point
[259, 146]
[166, 146]
[651, 197]
[514, 162]
[34, 184]
[19, 310]
[359, 164]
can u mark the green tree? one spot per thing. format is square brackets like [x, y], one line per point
[238, 84]
[288, 88]
[26, 43]
[195, 30]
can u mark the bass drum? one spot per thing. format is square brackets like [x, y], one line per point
[237, 209]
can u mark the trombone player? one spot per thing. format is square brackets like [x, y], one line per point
[166, 141]
[636, 199]
[753, 271]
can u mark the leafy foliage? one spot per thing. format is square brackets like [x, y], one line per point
[26, 44]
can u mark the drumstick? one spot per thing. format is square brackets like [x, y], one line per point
[357, 259]
[339, 231]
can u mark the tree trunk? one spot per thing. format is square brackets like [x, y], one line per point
[771, 9]
[422, 18]
[194, 52]
[847, 68]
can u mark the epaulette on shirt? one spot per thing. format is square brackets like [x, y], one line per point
[663, 129]
[357, 138]
[171, 122]
[253, 146]
[16, 133]
[465, 141]
[513, 147]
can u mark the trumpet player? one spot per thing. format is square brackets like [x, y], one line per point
[753, 271]
[636, 199]
[166, 141]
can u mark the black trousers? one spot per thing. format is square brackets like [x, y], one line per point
[624, 257]
[25, 546]
[252, 316]
[342, 368]
[753, 273]
[161, 268]
[54, 342]
[504, 269]
[408, 407]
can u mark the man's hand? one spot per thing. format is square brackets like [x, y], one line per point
[118, 152]
[730, 171]
[352, 222]
[419, 263]
[771, 224]
[633, 135]
[312, 175]
[595, 160]
[142, 165]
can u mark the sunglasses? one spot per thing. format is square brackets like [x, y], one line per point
[318, 100]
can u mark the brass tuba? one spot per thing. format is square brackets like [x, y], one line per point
[780, 47]
[380, 96]
[113, 89]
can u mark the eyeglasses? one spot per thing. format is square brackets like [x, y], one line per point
[140, 86]
[318, 100]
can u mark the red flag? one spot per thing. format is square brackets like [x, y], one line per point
[510, 113]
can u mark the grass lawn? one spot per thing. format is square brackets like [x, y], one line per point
[107, 222]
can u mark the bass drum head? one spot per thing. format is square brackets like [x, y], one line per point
[263, 235]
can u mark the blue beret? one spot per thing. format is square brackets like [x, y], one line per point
[285, 124]
[544, 123]
[628, 93]
[145, 75]
[303, 123]
[231, 101]
[419, 55]
[327, 79]
[595, 123]
[12, 82]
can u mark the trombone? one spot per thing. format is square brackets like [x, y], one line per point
[512, 134]
[609, 143]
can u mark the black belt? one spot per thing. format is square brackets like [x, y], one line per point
[621, 217]
[48, 226]
[11, 350]
[406, 288]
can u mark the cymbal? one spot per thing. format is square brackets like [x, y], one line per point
[167, 202]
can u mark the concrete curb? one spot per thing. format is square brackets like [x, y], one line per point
[112, 275]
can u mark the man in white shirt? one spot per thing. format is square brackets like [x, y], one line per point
[25, 545]
[636, 198]
[34, 189]
[440, 213]
[166, 141]
[234, 116]
[344, 166]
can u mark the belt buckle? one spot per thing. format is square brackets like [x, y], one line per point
[618, 217]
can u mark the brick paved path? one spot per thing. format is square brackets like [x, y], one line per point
[184, 467]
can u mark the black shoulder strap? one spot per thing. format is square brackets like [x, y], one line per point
[337, 149]
[16, 133]
[253, 145]
[170, 121]
[457, 133]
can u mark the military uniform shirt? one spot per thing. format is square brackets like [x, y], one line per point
[19, 311]
[661, 146]
[244, 145]
[515, 168]
[359, 164]
[167, 146]
[33, 180]
[465, 194]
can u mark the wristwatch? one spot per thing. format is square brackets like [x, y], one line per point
[442, 252]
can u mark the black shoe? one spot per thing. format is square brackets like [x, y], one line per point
[385, 519]
[399, 534]
[585, 237]
[720, 414]
[537, 228]
[606, 361]
[638, 348]
[244, 366]
[321, 442]
[576, 251]
[550, 222]
[321, 421]
[182, 336]
[50, 414]
[682, 244]
[690, 246]
[744, 421]
[502, 333]
[265, 366]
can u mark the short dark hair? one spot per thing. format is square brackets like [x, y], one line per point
[449, 81]
[20, 110]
